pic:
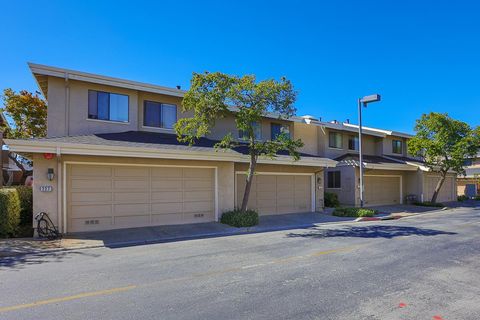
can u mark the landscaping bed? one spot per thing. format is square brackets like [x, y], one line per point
[354, 212]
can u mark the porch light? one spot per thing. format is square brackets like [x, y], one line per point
[50, 174]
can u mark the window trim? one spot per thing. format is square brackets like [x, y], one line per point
[341, 140]
[393, 146]
[340, 179]
[108, 120]
[161, 121]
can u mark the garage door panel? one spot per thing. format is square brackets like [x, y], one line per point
[164, 208]
[91, 171]
[159, 219]
[167, 184]
[131, 221]
[98, 224]
[167, 172]
[190, 184]
[198, 217]
[89, 211]
[167, 196]
[130, 196]
[96, 184]
[91, 197]
[197, 206]
[130, 184]
[130, 172]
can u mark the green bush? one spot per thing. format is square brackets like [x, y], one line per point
[9, 212]
[331, 200]
[477, 198]
[462, 198]
[429, 204]
[354, 212]
[26, 205]
[239, 219]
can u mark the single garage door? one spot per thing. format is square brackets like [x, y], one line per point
[101, 197]
[382, 190]
[447, 192]
[277, 194]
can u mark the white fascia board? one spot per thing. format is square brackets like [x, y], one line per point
[99, 79]
[25, 146]
[342, 127]
[400, 167]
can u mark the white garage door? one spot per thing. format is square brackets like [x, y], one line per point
[110, 197]
[381, 190]
[447, 192]
[277, 194]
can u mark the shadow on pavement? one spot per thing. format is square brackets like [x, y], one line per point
[387, 232]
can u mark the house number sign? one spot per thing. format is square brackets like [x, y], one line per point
[46, 188]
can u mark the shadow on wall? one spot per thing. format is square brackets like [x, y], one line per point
[387, 232]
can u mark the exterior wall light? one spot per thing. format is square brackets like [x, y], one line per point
[50, 174]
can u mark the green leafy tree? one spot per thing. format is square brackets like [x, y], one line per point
[217, 95]
[28, 114]
[444, 144]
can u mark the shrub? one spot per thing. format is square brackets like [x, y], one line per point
[331, 200]
[429, 204]
[462, 198]
[239, 219]
[477, 198]
[354, 212]
[9, 212]
[26, 205]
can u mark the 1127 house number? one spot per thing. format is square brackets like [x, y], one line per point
[46, 188]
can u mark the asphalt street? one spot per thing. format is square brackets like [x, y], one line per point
[425, 267]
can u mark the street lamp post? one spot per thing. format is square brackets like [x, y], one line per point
[363, 101]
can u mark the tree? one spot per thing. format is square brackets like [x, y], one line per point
[216, 95]
[444, 144]
[28, 113]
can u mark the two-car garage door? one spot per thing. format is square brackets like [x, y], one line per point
[101, 197]
[276, 193]
[382, 190]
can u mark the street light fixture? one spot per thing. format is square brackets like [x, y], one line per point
[363, 101]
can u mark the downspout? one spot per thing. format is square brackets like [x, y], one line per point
[60, 214]
[67, 105]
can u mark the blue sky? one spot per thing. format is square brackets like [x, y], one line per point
[421, 56]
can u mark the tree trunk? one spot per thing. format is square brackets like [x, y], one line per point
[25, 173]
[248, 185]
[438, 187]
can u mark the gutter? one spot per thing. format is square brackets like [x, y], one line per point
[27, 146]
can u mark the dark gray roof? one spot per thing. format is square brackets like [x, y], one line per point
[407, 159]
[143, 139]
[366, 159]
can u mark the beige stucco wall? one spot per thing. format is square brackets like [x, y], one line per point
[309, 136]
[462, 183]
[48, 201]
[369, 144]
[75, 99]
[347, 193]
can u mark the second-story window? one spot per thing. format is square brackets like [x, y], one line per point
[159, 115]
[257, 131]
[107, 106]
[335, 140]
[397, 146]
[353, 143]
[277, 129]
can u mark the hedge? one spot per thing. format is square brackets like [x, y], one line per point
[16, 212]
[429, 204]
[354, 212]
[9, 212]
[236, 218]
[331, 200]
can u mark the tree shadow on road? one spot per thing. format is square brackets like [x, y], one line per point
[387, 232]
[17, 261]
